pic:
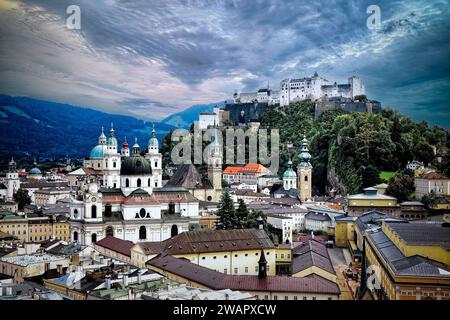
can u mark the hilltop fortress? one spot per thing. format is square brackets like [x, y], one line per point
[248, 106]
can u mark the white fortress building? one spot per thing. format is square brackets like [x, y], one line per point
[316, 87]
[120, 194]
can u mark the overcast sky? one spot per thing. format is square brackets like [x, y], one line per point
[153, 58]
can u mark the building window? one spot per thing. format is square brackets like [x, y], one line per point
[142, 233]
[286, 298]
[94, 211]
[142, 213]
[127, 183]
[139, 183]
[235, 270]
[171, 208]
[174, 230]
[225, 270]
[94, 238]
[256, 268]
[109, 231]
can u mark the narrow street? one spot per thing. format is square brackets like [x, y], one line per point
[340, 260]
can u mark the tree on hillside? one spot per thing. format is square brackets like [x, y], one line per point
[226, 213]
[401, 185]
[22, 198]
[242, 215]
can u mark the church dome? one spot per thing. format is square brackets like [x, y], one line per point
[135, 166]
[289, 173]
[97, 152]
[35, 171]
[112, 141]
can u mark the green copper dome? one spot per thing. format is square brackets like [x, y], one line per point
[153, 142]
[289, 173]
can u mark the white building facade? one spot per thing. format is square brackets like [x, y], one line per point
[316, 87]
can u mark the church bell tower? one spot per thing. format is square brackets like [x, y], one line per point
[304, 172]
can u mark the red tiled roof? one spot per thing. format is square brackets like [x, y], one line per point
[251, 168]
[174, 196]
[217, 241]
[216, 280]
[433, 176]
[117, 245]
[232, 170]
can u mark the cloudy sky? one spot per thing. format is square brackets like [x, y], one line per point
[153, 58]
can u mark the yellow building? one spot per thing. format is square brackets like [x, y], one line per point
[344, 231]
[262, 286]
[226, 251]
[39, 229]
[61, 229]
[313, 259]
[14, 224]
[395, 249]
[369, 200]
[208, 221]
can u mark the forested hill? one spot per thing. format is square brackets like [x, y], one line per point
[349, 150]
[30, 127]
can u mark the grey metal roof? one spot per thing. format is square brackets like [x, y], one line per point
[422, 233]
[402, 265]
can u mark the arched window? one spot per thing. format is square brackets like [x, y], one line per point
[75, 236]
[142, 213]
[142, 233]
[75, 213]
[127, 183]
[149, 182]
[138, 182]
[109, 231]
[306, 178]
[174, 230]
[94, 211]
[94, 238]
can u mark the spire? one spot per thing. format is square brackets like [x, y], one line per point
[262, 265]
[136, 147]
[102, 138]
[304, 155]
[125, 143]
[153, 144]
[12, 165]
[112, 141]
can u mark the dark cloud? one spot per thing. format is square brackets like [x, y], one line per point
[204, 50]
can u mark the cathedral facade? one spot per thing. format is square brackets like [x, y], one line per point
[122, 196]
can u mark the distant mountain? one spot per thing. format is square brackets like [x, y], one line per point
[43, 128]
[184, 118]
